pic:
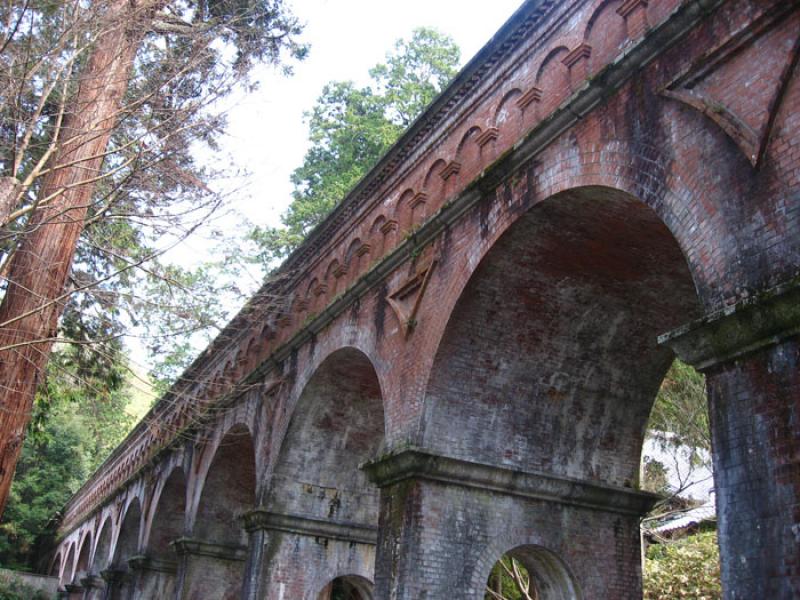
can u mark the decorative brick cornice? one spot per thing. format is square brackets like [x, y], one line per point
[419, 198]
[487, 136]
[628, 6]
[363, 249]
[388, 227]
[416, 463]
[340, 270]
[582, 52]
[734, 331]
[452, 168]
[534, 94]
[262, 519]
[321, 289]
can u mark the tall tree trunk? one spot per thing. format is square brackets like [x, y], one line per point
[37, 274]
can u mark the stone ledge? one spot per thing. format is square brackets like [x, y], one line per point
[149, 563]
[734, 331]
[112, 576]
[415, 463]
[184, 546]
[260, 519]
[92, 582]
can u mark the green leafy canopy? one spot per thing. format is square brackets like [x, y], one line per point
[351, 127]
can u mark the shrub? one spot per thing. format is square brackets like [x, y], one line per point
[688, 568]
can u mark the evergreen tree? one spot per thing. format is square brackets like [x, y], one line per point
[350, 128]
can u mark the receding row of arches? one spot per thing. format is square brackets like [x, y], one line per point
[547, 364]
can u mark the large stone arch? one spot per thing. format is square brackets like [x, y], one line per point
[126, 547]
[157, 567]
[211, 558]
[555, 338]
[68, 565]
[541, 387]
[101, 557]
[83, 561]
[320, 514]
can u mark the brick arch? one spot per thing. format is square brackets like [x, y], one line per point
[552, 77]
[68, 566]
[619, 261]
[336, 423]
[333, 277]
[605, 34]
[546, 566]
[507, 117]
[223, 490]
[128, 532]
[356, 259]
[54, 569]
[83, 557]
[404, 210]
[167, 510]
[231, 440]
[352, 586]
[101, 554]
[433, 187]
[468, 151]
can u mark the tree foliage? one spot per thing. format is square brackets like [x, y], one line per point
[679, 424]
[102, 106]
[688, 568]
[510, 580]
[351, 127]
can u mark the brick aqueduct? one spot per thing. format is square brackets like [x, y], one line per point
[460, 362]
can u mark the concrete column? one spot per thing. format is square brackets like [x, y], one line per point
[750, 353]
[446, 521]
[208, 570]
[296, 556]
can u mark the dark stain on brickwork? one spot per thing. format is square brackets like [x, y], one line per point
[381, 304]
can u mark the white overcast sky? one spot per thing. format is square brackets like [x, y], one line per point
[267, 136]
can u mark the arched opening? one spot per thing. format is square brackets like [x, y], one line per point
[102, 556]
[159, 568]
[549, 363]
[550, 359]
[350, 587]
[337, 425]
[67, 568]
[168, 520]
[216, 553]
[82, 566]
[55, 566]
[229, 490]
[530, 573]
[128, 539]
[126, 548]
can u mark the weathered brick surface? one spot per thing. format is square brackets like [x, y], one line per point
[442, 541]
[755, 411]
[492, 292]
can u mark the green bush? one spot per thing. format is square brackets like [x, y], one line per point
[688, 568]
